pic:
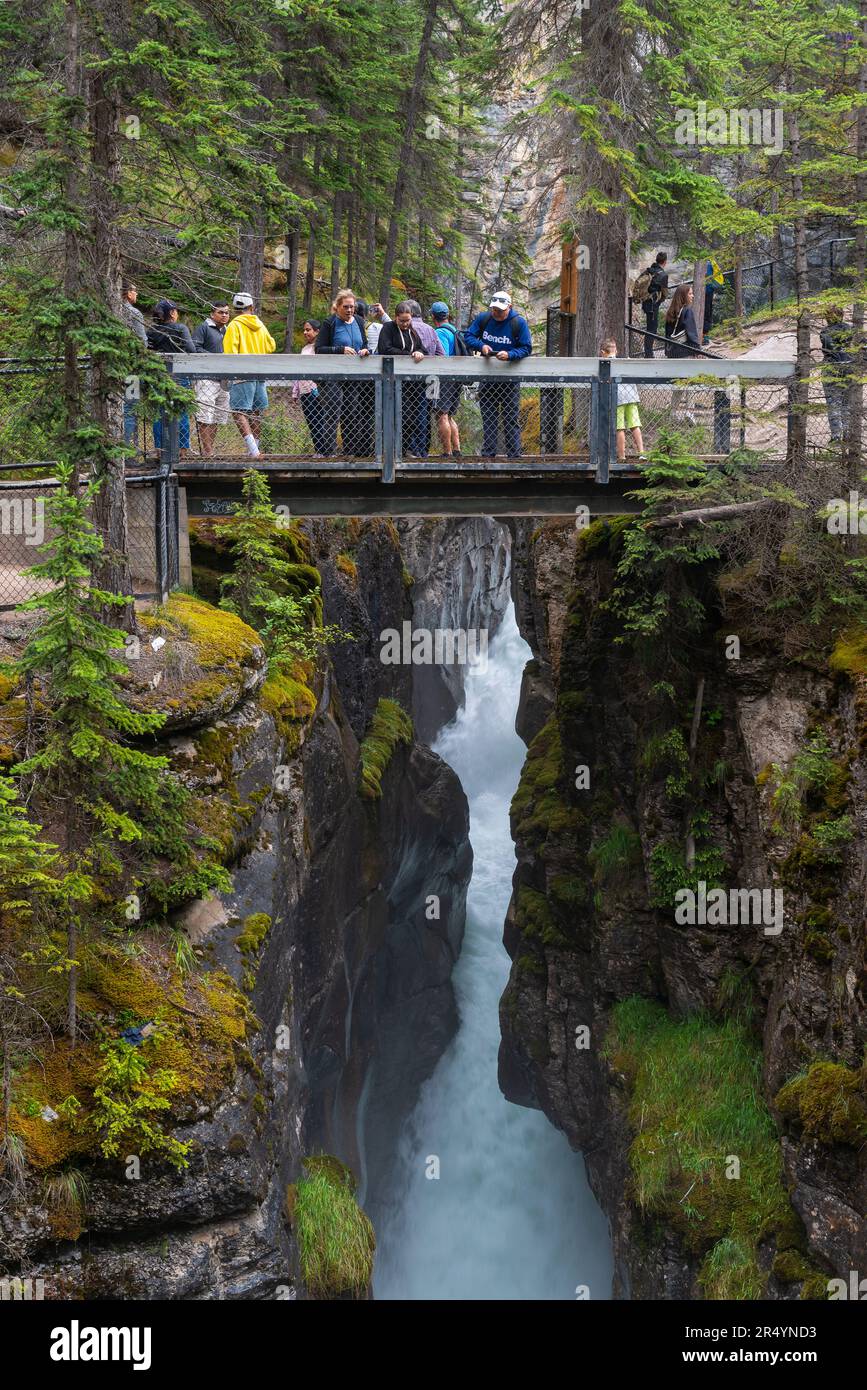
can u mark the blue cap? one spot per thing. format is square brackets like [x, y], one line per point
[439, 309]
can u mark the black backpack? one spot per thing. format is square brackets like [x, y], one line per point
[461, 349]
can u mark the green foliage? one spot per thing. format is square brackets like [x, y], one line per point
[694, 1099]
[335, 1237]
[614, 856]
[389, 727]
[279, 598]
[812, 770]
[127, 1099]
[669, 872]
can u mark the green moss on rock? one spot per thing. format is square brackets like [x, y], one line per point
[256, 928]
[829, 1101]
[389, 727]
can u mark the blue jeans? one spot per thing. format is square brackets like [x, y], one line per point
[183, 425]
[500, 400]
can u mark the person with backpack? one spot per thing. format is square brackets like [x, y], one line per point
[650, 290]
[167, 334]
[400, 338]
[446, 404]
[500, 335]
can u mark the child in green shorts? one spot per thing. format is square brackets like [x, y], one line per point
[628, 417]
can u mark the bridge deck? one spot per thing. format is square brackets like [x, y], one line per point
[429, 487]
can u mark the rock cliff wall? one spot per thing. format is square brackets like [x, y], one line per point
[593, 936]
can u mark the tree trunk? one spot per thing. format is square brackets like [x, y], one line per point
[370, 248]
[602, 285]
[293, 259]
[106, 398]
[803, 364]
[855, 425]
[251, 256]
[412, 108]
[336, 237]
[71, 247]
[699, 272]
[310, 275]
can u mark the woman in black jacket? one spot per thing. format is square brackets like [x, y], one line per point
[681, 319]
[399, 339]
[167, 334]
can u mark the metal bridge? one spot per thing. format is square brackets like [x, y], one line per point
[369, 459]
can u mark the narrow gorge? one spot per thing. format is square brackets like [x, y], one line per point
[333, 1017]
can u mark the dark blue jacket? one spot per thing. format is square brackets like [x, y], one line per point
[511, 334]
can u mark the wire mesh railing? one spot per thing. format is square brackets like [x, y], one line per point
[152, 508]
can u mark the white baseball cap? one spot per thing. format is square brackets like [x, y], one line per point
[243, 301]
[501, 300]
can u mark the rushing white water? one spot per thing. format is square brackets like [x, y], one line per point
[511, 1215]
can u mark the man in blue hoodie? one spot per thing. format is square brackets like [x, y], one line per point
[504, 336]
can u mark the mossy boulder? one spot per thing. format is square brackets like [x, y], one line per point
[829, 1102]
[210, 662]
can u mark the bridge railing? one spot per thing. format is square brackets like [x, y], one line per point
[386, 415]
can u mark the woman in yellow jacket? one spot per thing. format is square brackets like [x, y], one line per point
[248, 398]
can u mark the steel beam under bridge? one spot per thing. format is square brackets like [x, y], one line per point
[506, 492]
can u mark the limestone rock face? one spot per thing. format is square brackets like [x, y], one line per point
[585, 932]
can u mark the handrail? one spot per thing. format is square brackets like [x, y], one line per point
[552, 371]
[661, 338]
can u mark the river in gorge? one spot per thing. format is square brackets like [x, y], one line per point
[510, 1215]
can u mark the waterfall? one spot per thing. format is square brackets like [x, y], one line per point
[510, 1215]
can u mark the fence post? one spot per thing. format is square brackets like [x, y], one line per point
[161, 538]
[772, 284]
[601, 420]
[388, 404]
[722, 421]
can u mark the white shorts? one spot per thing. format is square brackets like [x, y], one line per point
[212, 403]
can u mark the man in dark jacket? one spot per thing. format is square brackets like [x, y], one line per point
[212, 396]
[168, 334]
[500, 335]
[656, 294]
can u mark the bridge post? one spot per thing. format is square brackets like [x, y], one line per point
[602, 393]
[388, 421]
[722, 421]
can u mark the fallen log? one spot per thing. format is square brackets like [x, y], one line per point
[700, 515]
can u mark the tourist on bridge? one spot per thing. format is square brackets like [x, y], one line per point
[343, 332]
[448, 399]
[628, 417]
[307, 392]
[839, 370]
[168, 334]
[401, 338]
[134, 320]
[377, 319]
[654, 283]
[681, 331]
[248, 398]
[504, 336]
[418, 444]
[212, 396]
